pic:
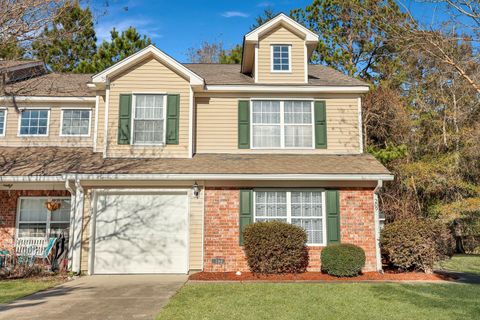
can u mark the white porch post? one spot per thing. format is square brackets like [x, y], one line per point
[71, 189]
[376, 211]
[77, 227]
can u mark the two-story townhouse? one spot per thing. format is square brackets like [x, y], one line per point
[158, 166]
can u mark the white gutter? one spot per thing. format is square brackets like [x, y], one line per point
[269, 177]
[47, 99]
[286, 89]
[31, 179]
[193, 176]
[376, 212]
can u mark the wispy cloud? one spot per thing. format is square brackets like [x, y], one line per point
[265, 4]
[144, 27]
[231, 14]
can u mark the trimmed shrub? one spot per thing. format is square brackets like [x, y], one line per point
[343, 260]
[416, 244]
[275, 247]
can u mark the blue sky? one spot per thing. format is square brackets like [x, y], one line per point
[175, 26]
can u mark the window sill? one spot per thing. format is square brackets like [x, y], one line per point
[283, 149]
[75, 135]
[32, 135]
[280, 71]
[141, 145]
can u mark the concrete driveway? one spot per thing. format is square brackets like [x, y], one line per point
[98, 297]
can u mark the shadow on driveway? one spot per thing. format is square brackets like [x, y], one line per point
[98, 297]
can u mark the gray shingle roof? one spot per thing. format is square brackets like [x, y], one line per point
[70, 84]
[53, 84]
[49, 161]
[5, 64]
[223, 74]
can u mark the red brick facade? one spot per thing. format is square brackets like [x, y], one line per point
[222, 228]
[8, 211]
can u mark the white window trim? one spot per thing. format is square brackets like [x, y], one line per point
[289, 209]
[289, 45]
[89, 122]
[132, 124]
[282, 124]
[5, 110]
[47, 222]
[33, 135]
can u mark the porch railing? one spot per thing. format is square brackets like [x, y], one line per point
[30, 246]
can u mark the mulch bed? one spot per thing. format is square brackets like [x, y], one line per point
[317, 276]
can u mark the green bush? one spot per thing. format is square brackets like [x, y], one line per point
[275, 247]
[416, 244]
[343, 260]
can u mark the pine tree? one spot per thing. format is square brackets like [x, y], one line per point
[120, 46]
[353, 33]
[69, 40]
[233, 55]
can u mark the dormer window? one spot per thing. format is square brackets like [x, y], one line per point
[281, 58]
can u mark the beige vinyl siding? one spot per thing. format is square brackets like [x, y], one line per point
[281, 35]
[195, 231]
[148, 76]
[217, 126]
[87, 214]
[12, 139]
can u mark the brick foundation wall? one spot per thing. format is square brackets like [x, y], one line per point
[221, 230]
[8, 211]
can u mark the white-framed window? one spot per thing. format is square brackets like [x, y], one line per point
[149, 113]
[304, 208]
[281, 61]
[75, 122]
[34, 220]
[280, 124]
[3, 121]
[34, 122]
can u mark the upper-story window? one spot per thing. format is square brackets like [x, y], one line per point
[282, 124]
[149, 118]
[34, 122]
[3, 116]
[281, 58]
[75, 122]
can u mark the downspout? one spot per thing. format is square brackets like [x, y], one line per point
[376, 211]
[70, 188]
[107, 109]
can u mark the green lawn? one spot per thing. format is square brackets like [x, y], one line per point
[14, 289]
[324, 301]
[469, 263]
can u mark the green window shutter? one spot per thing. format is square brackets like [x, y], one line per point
[173, 116]
[244, 124]
[320, 125]
[333, 216]
[246, 211]
[124, 119]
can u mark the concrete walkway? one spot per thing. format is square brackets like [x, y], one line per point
[98, 297]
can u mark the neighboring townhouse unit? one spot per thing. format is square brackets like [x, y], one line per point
[158, 166]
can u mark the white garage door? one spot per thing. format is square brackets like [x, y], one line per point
[139, 233]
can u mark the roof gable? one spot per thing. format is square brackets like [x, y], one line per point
[150, 51]
[287, 22]
[251, 39]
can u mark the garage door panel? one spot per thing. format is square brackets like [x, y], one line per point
[141, 233]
